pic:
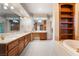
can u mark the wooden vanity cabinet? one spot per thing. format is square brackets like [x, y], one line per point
[43, 36]
[13, 52]
[21, 44]
[9, 49]
[3, 50]
[27, 39]
[12, 48]
[35, 35]
[15, 47]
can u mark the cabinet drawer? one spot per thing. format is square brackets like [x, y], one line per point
[12, 45]
[13, 52]
[21, 44]
[26, 42]
[43, 36]
[21, 47]
[3, 50]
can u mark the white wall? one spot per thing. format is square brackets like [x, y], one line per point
[26, 25]
[2, 20]
[76, 20]
[55, 21]
[49, 29]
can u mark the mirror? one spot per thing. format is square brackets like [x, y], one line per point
[14, 24]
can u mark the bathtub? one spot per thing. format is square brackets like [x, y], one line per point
[72, 47]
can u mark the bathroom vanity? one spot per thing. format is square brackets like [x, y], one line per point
[13, 46]
[40, 29]
[42, 35]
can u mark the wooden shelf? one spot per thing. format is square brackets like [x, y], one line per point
[68, 11]
[67, 28]
[66, 16]
[67, 22]
[66, 34]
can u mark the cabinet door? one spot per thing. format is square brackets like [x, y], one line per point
[29, 37]
[26, 40]
[43, 36]
[12, 45]
[3, 49]
[13, 52]
[21, 44]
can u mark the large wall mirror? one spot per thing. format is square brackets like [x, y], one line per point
[14, 23]
[40, 24]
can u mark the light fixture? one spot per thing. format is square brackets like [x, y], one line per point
[40, 9]
[5, 7]
[6, 4]
[39, 20]
[12, 7]
[15, 21]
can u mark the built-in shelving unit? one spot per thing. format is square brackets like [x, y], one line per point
[66, 20]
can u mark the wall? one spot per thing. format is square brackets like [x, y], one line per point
[49, 29]
[26, 25]
[2, 19]
[55, 21]
[76, 21]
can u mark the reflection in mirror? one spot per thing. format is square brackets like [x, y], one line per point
[14, 24]
[9, 23]
[40, 24]
[1, 28]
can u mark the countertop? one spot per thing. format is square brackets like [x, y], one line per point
[12, 37]
[39, 31]
[9, 37]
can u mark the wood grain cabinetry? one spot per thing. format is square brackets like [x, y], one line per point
[12, 48]
[21, 44]
[15, 47]
[66, 21]
[12, 45]
[27, 39]
[3, 49]
[43, 36]
[35, 35]
[9, 49]
[13, 52]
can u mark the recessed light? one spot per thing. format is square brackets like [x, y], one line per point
[40, 9]
[12, 7]
[5, 7]
[6, 4]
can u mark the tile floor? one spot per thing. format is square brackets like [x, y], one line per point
[44, 48]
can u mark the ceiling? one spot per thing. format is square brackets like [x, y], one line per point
[38, 9]
[5, 12]
[24, 9]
